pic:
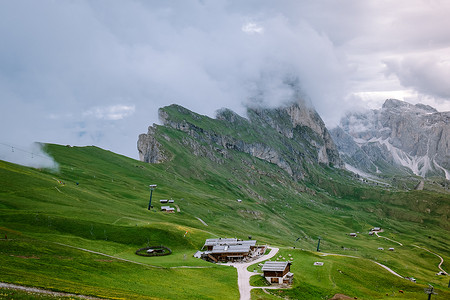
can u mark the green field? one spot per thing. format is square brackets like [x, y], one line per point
[48, 219]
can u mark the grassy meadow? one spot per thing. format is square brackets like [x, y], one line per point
[97, 201]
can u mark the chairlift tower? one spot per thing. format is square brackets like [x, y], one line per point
[152, 187]
[430, 291]
[318, 245]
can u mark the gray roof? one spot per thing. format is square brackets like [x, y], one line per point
[167, 208]
[229, 242]
[230, 249]
[212, 242]
[274, 266]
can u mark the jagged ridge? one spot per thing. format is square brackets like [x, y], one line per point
[415, 137]
[292, 137]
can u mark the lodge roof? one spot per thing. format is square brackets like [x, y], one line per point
[230, 249]
[229, 242]
[275, 266]
[167, 208]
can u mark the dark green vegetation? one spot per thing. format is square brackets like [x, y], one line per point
[107, 212]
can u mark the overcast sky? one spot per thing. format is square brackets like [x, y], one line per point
[96, 72]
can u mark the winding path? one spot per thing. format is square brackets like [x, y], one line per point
[107, 255]
[132, 261]
[244, 275]
[442, 260]
[376, 233]
[381, 265]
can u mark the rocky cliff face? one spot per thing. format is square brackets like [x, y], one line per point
[149, 148]
[292, 137]
[414, 137]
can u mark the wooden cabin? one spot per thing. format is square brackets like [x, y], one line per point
[277, 272]
[168, 209]
[227, 249]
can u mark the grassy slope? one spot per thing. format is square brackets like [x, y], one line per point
[107, 212]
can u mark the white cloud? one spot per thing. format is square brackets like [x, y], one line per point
[252, 28]
[428, 74]
[113, 112]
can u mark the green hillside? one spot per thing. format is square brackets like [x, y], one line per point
[46, 219]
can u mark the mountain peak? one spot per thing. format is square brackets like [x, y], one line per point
[293, 137]
[395, 105]
[400, 136]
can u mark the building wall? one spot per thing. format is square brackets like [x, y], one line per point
[225, 256]
[278, 280]
[277, 273]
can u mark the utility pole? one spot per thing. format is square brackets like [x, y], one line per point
[430, 291]
[318, 245]
[152, 187]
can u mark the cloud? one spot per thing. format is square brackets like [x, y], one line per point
[112, 112]
[31, 155]
[95, 72]
[252, 28]
[428, 74]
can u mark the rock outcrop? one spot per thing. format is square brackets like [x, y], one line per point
[291, 137]
[149, 148]
[412, 137]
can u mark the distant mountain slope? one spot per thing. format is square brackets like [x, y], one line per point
[292, 137]
[398, 138]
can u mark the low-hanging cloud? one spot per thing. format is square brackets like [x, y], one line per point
[31, 155]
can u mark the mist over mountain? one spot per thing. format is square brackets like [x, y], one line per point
[398, 138]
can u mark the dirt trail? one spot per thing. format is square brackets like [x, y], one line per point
[381, 265]
[42, 291]
[442, 260]
[380, 236]
[118, 258]
[387, 268]
[203, 222]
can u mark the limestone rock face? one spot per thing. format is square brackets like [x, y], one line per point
[292, 137]
[415, 137]
[149, 148]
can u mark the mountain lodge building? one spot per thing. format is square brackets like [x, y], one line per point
[278, 272]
